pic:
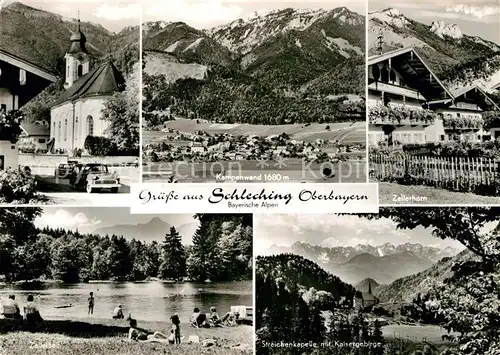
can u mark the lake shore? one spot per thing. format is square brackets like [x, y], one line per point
[105, 336]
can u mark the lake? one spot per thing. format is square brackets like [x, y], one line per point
[148, 301]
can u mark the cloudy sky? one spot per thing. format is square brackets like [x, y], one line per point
[475, 18]
[113, 15]
[338, 230]
[90, 219]
[209, 13]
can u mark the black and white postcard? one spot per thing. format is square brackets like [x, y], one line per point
[433, 101]
[254, 91]
[69, 102]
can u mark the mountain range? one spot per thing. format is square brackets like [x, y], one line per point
[457, 59]
[284, 49]
[384, 263]
[155, 229]
[405, 289]
[43, 37]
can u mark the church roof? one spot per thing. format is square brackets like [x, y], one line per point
[78, 41]
[367, 296]
[101, 81]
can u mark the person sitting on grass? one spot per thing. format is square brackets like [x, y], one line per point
[214, 317]
[229, 319]
[145, 336]
[32, 315]
[118, 312]
[10, 308]
[198, 319]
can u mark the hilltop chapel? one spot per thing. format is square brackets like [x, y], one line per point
[77, 113]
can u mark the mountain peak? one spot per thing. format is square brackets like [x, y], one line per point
[442, 29]
[393, 12]
[391, 16]
[157, 221]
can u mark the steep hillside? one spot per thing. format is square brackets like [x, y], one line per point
[296, 269]
[406, 288]
[385, 269]
[457, 58]
[185, 42]
[171, 67]
[272, 69]
[43, 37]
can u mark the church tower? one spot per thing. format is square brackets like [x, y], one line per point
[78, 59]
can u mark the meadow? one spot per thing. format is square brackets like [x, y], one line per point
[343, 132]
[104, 336]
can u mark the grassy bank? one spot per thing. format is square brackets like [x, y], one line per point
[103, 336]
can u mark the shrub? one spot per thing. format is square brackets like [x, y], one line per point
[154, 157]
[18, 188]
[100, 146]
[10, 125]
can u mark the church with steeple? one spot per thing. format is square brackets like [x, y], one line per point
[364, 300]
[89, 83]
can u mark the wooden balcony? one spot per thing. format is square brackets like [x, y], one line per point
[395, 90]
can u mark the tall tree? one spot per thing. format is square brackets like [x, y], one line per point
[476, 281]
[173, 264]
[122, 111]
[118, 255]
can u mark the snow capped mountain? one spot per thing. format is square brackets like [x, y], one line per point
[383, 263]
[242, 36]
[391, 16]
[456, 58]
[329, 251]
[286, 50]
[442, 29]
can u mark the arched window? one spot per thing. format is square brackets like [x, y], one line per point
[90, 126]
[76, 129]
[59, 131]
[79, 70]
[65, 130]
[384, 75]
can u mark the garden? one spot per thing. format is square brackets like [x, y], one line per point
[16, 186]
[455, 166]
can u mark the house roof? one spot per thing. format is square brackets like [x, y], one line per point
[474, 94]
[35, 129]
[26, 65]
[410, 64]
[102, 80]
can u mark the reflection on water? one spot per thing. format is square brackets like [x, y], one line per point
[150, 301]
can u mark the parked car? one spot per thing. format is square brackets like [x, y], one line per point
[135, 163]
[65, 170]
[93, 177]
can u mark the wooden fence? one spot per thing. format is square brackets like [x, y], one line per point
[453, 173]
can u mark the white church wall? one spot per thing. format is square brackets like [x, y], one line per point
[9, 155]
